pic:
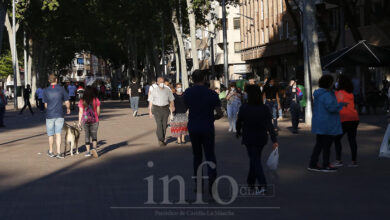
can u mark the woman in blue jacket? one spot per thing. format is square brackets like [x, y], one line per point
[326, 123]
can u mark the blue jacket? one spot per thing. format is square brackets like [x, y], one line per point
[326, 118]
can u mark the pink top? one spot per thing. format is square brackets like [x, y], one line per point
[96, 103]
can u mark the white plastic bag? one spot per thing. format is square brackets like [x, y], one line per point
[273, 160]
[385, 147]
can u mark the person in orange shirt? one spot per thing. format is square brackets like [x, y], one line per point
[349, 120]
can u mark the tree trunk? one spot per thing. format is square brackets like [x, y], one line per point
[177, 59]
[183, 62]
[313, 70]
[14, 53]
[2, 21]
[192, 21]
[31, 76]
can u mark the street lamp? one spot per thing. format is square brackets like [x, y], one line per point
[225, 48]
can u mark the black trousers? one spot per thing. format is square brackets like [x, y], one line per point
[2, 112]
[41, 106]
[161, 115]
[255, 167]
[27, 104]
[295, 110]
[72, 101]
[204, 142]
[323, 143]
[349, 128]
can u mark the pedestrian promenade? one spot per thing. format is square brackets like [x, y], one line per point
[34, 186]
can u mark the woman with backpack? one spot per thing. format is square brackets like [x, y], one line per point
[89, 111]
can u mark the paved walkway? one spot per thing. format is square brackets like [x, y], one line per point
[33, 186]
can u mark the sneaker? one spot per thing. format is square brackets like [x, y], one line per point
[328, 169]
[94, 153]
[88, 154]
[134, 113]
[337, 164]
[60, 156]
[50, 154]
[353, 165]
[230, 129]
[314, 168]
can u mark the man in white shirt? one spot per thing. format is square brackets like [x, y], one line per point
[161, 101]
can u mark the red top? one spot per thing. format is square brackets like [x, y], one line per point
[347, 113]
[96, 103]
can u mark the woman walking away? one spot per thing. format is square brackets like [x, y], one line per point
[233, 98]
[325, 123]
[89, 111]
[179, 123]
[255, 120]
[349, 120]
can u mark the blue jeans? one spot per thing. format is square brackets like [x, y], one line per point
[54, 126]
[273, 108]
[134, 103]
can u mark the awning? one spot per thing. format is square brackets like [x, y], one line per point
[361, 54]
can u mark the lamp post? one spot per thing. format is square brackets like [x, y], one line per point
[14, 55]
[225, 48]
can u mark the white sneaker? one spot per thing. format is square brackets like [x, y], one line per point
[234, 130]
[230, 129]
[135, 113]
[337, 164]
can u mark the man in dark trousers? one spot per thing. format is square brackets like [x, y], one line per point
[26, 97]
[294, 96]
[201, 102]
[160, 103]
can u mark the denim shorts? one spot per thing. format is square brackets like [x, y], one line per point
[54, 126]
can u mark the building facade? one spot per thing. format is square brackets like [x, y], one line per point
[269, 38]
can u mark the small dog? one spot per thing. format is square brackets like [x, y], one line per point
[72, 135]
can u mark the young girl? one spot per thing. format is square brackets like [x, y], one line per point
[89, 111]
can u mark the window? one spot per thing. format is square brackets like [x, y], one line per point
[236, 23]
[237, 47]
[262, 10]
[262, 36]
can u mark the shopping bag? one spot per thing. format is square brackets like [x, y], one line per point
[273, 160]
[385, 147]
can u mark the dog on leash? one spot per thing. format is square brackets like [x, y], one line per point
[72, 135]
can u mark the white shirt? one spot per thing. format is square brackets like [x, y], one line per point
[161, 97]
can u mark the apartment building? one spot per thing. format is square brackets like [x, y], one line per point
[269, 38]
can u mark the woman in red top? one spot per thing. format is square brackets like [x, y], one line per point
[89, 111]
[349, 120]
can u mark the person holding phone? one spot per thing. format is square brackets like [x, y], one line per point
[349, 120]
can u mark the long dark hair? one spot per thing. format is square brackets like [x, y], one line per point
[254, 95]
[345, 83]
[88, 96]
